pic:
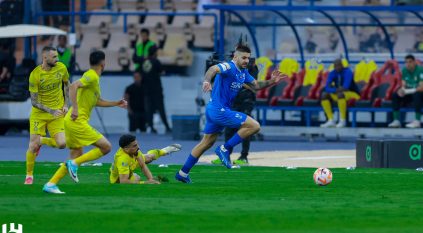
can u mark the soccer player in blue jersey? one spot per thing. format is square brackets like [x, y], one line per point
[229, 78]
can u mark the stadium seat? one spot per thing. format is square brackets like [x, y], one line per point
[179, 21]
[204, 33]
[173, 50]
[282, 90]
[383, 83]
[306, 79]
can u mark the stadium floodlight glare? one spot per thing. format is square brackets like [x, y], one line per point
[309, 20]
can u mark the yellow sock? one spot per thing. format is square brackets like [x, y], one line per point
[157, 153]
[48, 141]
[342, 105]
[60, 173]
[89, 156]
[328, 109]
[30, 161]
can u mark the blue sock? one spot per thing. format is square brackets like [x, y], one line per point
[191, 161]
[233, 141]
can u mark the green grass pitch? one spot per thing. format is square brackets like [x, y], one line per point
[250, 199]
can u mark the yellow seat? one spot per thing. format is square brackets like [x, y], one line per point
[289, 66]
[312, 70]
[363, 71]
[263, 64]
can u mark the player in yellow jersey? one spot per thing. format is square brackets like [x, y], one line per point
[49, 106]
[129, 157]
[84, 94]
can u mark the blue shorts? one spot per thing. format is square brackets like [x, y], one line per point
[219, 118]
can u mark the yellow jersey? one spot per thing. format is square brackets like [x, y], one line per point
[124, 164]
[48, 85]
[87, 96]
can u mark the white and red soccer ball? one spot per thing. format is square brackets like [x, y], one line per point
[322, 176]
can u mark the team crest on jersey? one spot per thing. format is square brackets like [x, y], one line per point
[58, 75]
[238, 116]
[124, 164]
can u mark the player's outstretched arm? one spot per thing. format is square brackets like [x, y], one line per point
[37, 104]
[146, 172]
[105, 103]
[276, 77]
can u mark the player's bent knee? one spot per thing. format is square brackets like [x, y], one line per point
[61, 145]
[33, 146]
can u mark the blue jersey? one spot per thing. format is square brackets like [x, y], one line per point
[227, 84]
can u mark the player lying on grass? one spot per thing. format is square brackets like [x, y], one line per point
[129, 157]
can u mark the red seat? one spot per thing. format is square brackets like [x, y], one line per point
[381, 86]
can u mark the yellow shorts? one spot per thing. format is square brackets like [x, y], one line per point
[132, 177]
[348, 95]
[80, 133]
[39, 123]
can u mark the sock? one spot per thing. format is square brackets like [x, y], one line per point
[30, 161]
[396, 115]
[89, 156]
[233, 141]
[418, 116]
[157, 153]
[60, 173]
[48, 141]
[342, 105]
[191, 161]
[327, 108]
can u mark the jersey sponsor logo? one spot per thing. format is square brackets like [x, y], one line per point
[124, 164]
[235, 86]
[86, 78]
[50, 86]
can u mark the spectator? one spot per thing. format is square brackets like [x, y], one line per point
[333, 40]
[340, 87]
[64, 52]
[142, 47]
[134, 94]
[410, 92]
[376, 42]
[151, 70]
[310, 46]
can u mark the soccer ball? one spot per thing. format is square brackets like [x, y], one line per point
[322, 176]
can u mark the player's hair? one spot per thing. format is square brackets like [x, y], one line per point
[243, 48]
[97, 57]
[126, 139]
[146, 31]
[62, 37]
[48, 49]
[409, 56]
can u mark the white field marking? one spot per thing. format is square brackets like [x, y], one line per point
[322, 157]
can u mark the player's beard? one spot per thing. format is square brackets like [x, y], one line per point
[51, 64]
